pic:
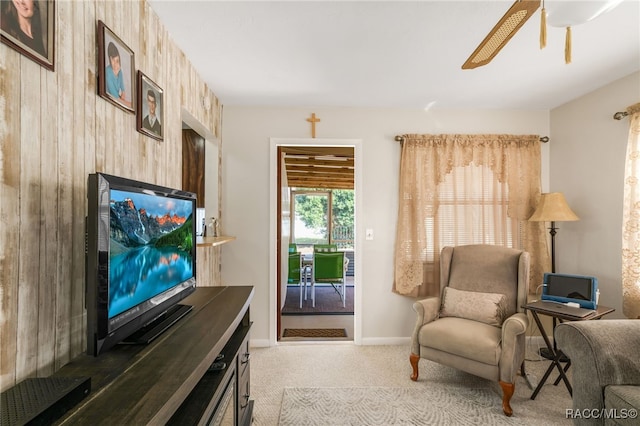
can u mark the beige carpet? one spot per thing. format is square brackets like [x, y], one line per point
[350, 366]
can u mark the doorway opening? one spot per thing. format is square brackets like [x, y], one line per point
[201, 159]
[316, 213]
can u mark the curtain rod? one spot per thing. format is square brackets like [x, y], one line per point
[543, 139]
[620, 115]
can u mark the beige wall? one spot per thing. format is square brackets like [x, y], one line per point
[54, 131]
[584, 159]
[385, 317]
[587, 164]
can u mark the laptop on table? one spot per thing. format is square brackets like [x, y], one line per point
[560, 308]
[560, 289]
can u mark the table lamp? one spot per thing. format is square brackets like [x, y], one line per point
[553, 208]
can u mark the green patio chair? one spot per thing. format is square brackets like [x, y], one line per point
[295, 268]
[297, 271]
[325, 248]
[329, 268]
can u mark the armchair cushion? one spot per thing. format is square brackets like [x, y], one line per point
[622, 397]
[475, 268]
[474, 340]
[489, 308]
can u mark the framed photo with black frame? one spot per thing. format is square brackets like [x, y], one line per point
[116, 69]
[150, 108]
[28, 27]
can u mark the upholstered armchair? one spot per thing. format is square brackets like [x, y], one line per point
[477, 324]
[605, 363]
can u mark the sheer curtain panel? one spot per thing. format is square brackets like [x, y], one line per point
[465, 189]
[631, 220]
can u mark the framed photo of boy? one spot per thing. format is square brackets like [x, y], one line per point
[28, 27]
[150, 110]
[116, 69]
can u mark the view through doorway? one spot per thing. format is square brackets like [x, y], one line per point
[316, 213]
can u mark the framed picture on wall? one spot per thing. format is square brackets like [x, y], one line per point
[150, 108]
[28, 27]
[116, 69]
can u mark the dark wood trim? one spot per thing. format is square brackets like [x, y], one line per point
[278, 244]
[193, 165]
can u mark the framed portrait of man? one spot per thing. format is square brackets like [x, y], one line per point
[28, 27]
[149, 114]
[116, 69]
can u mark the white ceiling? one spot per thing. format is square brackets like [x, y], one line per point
[393, 53]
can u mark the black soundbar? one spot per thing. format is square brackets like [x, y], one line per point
[42, 401]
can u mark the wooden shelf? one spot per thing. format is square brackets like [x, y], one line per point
[148, 383]
[213, 241]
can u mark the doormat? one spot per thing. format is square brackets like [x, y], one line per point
[314, 332]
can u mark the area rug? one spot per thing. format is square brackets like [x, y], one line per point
[314, 332]
[365, 406]
[328, 302]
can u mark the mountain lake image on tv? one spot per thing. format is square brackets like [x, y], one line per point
[140, 264]
[149, 247]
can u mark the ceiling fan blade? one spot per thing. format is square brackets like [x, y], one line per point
[499, 35]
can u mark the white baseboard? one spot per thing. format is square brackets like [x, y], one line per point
[536, 341]
[533, 346]
[531, 341]
[380, 341]
[259, 343]
[392, 341]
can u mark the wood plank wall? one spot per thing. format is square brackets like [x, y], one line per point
[54, 131]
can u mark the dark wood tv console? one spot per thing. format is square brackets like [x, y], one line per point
[169, 380]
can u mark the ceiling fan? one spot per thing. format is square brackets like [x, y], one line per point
[561, 14]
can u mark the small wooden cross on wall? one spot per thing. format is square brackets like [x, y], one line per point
[313, 120]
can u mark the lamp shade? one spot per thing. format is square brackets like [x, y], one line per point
[553, 208]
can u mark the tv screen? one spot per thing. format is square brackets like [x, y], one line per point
[141, 258]
[570, 288]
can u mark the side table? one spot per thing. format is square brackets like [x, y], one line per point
[557, 354]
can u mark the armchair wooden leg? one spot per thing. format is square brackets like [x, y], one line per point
[413, 359]
[507, 393]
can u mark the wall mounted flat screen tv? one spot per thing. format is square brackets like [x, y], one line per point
[140, 259]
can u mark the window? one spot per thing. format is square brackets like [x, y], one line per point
[465, 189]
[323, 217]
[472, 209]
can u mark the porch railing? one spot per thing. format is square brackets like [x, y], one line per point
[342, 236]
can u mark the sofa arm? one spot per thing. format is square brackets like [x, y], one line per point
[602, 353]
[513, 346]
[427, 310]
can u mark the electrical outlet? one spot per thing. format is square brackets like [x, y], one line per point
[369, 234]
